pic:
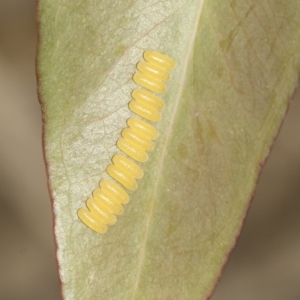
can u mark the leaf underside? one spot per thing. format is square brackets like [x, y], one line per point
[237, 66]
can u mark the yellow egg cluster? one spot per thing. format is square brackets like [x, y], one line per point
[137, 139]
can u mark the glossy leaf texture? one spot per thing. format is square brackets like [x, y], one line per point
[237, 67]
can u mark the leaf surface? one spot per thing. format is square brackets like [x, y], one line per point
[237, 66]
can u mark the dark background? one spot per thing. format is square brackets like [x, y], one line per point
[266, 262]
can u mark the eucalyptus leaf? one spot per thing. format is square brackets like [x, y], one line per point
[237, 66]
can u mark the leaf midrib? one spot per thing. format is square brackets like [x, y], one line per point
[169, 130]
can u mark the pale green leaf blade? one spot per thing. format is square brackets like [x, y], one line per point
[237, 66]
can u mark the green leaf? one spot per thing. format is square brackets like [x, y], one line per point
[237, 66]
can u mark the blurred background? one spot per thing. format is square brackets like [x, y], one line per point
[265, 264]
